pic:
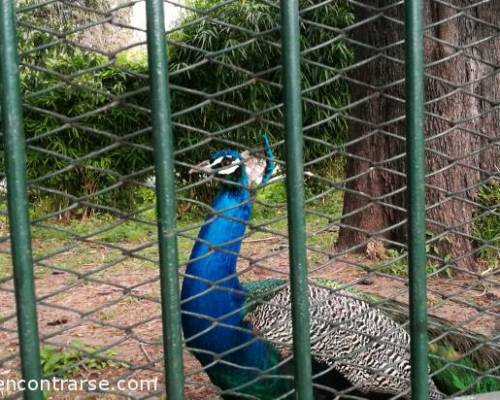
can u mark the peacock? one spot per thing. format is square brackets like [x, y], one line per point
[242, 333]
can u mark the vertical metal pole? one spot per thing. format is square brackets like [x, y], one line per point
[416, 196]
[165, 195]
[17, 198]
[290, 35]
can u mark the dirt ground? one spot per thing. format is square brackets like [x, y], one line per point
[111, 301]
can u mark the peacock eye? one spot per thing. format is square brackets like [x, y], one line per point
[226, 161]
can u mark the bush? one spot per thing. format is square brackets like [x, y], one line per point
[86, 123]
[248, 64]
[87, 117]
[271, 201]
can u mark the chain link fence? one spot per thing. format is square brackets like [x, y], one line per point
[91, 187]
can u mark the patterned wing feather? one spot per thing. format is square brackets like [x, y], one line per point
[348, 334]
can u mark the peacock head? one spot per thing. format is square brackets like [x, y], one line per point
[238, 168]
[228, 165]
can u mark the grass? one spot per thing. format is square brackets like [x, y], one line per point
[270, 206]
[127, 230]
[52, 238]
[69, 361]
[461, 374]
[396, 263]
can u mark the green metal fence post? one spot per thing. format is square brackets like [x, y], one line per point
[416, 197]
[165, 192]
[290, 38]
[17, 196]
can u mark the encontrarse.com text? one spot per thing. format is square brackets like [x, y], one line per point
[10, 386]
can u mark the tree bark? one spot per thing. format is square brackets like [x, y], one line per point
[461, 124]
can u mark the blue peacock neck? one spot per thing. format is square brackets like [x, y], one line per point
[211, 290]
[215, 253]
[211, 287]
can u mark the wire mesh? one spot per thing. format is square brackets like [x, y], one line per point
[84, 77]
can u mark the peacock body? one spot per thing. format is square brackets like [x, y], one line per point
[242, 335]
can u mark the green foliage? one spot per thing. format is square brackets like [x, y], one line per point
[131, 230]
[128, 231]
[86, 122]
[487, 226]
[437, 256]
[270, 201]
[67, 362]
[274, 193]
[460, 374]
[63, 128]
[86, 116]
[397, 263]
[247, 59]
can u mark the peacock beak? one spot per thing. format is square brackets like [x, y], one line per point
[203, 167]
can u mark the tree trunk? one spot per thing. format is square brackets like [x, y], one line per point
[461, 123]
